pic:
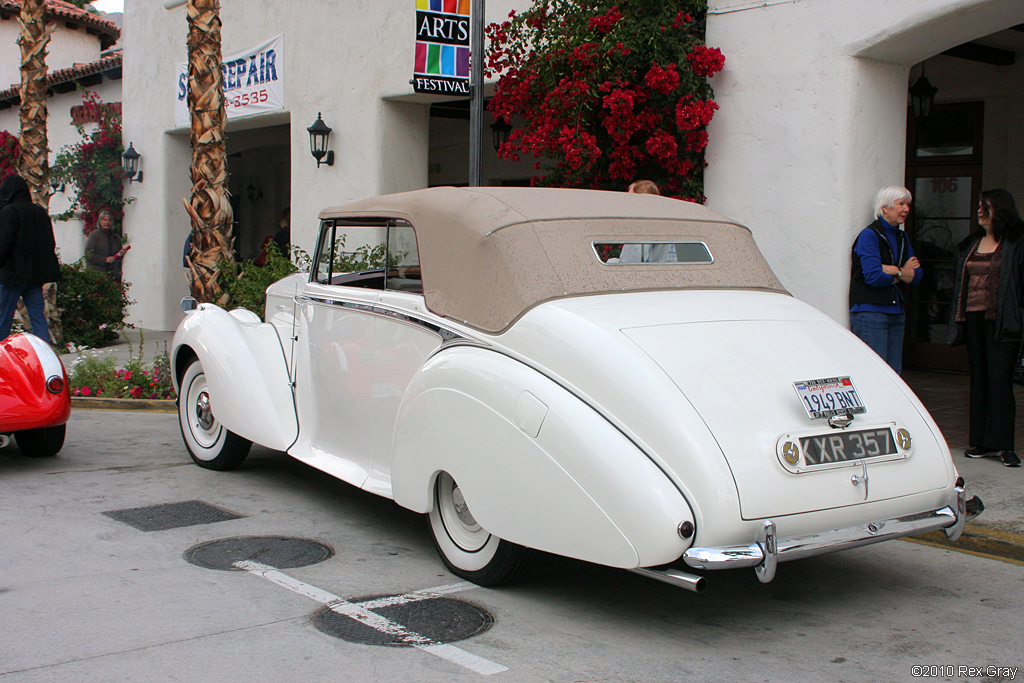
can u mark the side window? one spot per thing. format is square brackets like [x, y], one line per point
[358, 253]
[403, 272]
[324, 253]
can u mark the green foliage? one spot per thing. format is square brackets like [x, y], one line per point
[92, 305]
[94, 375]
[10, 152]
[246, 282]
[361, 259]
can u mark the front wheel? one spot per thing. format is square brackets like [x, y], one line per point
[43, 442]
[208, 442]
[466, 548]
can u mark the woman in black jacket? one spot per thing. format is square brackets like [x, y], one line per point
[28, 259]
[986, 315]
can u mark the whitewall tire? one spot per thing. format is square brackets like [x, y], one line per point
[469, 550]
[208, 442]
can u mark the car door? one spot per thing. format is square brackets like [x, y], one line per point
[335, 348]
[405, 335]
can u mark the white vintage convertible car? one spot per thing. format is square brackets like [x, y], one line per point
[611, 377]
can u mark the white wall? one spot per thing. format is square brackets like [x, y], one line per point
[812, 120]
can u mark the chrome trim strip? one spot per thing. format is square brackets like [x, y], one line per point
[754, 555]
[448, 337]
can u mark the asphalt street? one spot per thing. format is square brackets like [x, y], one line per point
[85, 596]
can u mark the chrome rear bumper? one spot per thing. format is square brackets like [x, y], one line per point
[768, 550]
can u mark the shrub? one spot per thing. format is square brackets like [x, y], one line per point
[246, 282]
[92, 305]
[96, 376]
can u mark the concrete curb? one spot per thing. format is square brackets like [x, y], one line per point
[149, 405]
[980, 541]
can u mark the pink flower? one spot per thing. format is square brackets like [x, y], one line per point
[86, 391]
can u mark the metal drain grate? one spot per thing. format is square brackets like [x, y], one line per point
[442, 620]
[172, 515]
[280, 552]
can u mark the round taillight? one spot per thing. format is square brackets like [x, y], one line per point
[55, 384]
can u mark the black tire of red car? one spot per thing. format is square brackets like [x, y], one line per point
[467, 549]
[43, 442]
[209, 443]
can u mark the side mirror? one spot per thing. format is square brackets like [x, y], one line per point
[189, 304]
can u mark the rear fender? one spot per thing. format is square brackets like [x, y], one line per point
[537, 466]
[245, 367]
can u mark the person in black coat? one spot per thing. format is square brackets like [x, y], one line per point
[28, 257]
[986, 315]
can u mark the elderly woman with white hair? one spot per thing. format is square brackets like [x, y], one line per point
[882, 259]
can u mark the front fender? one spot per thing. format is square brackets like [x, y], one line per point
[537, 466]
[246, 370]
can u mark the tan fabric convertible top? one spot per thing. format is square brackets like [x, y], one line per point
[488, 255]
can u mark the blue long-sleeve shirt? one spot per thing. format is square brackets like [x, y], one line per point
[867, 249]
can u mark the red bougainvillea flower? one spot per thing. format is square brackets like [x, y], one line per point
[706, 61]
[662, 80]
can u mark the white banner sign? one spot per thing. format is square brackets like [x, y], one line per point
[253, 82]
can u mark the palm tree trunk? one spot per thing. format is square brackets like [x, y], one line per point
[35, 35]
[209, 206]
[33, 164]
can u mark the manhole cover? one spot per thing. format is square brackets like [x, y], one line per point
[172, 515]
[441, 619]
[279, 552]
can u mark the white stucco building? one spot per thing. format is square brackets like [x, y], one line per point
[82, 53]
[813, 121]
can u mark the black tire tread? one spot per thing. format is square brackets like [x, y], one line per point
[43, 442]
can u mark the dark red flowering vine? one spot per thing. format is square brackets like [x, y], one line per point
[606, 92]
[93, 167]
[10, 151]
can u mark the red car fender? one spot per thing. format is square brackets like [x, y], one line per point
[27, 364]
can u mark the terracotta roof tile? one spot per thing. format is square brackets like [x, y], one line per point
[107, 31]
[112, 62]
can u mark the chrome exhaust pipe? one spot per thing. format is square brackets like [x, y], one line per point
[675, 577]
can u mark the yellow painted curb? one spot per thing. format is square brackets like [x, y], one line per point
[979, 541]
[150, 405]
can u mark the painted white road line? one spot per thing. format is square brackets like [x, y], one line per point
[416, 596]
[362, 613]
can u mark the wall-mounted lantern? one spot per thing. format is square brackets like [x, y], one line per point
[319, 134]
[254, 193]
[500, 130]
[130, 162]
[922, 97]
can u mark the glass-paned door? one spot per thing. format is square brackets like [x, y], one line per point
[944, 174]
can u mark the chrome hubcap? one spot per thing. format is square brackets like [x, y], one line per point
[203, 413]
[462, 510]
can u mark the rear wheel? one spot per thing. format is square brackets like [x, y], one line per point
[469, 550]
[208, 442]
[43, 442]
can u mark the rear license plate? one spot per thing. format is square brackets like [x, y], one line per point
[828, 397]
[844, 446]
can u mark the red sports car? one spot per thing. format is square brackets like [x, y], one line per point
[34, 400]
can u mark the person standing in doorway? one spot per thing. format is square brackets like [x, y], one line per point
[883, 258]
[103, 249]
[986, 315]
[28, 256]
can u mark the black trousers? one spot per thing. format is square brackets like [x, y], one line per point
[993, 407]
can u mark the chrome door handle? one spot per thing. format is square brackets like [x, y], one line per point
[861, 478]
[303, 300]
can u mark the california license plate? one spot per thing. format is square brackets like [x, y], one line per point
[844, 446]
[828, 397]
